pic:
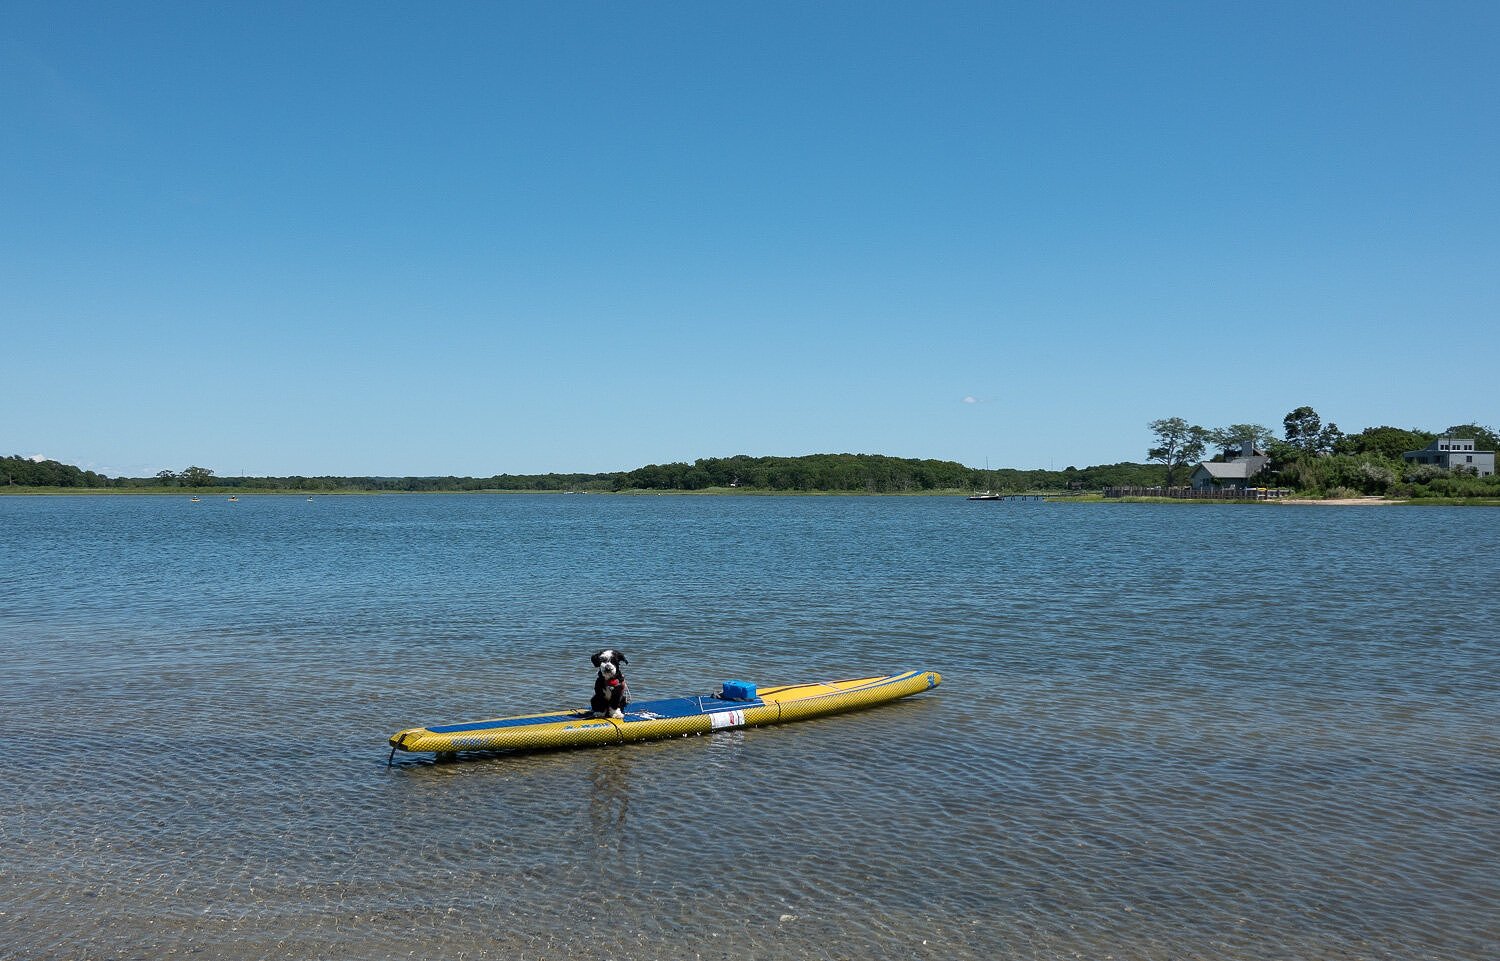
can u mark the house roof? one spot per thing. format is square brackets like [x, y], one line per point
[1241, 468]
[1233, 470]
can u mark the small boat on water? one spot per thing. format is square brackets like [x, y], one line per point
[988, 494]
[736, 704]
[195, 498]
[233, 499]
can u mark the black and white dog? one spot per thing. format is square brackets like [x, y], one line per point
[611, 693]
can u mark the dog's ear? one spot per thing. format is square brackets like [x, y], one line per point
[620, 656]
[597, 658]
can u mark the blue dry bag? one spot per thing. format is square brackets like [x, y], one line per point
[739, 691]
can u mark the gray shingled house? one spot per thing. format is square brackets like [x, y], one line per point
[1233, 473]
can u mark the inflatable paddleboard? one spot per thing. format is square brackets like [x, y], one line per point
[737, 704]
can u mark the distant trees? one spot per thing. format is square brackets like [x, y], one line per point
[823, 472]
[18, 471]
[1388, 442]
[1114, 475]
[1178, 443]
[862, 473]
[872, 473]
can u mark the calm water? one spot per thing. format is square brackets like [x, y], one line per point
[1211, 732]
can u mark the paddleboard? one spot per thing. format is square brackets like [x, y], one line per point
[736, 705]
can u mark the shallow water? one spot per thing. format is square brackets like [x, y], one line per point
[1179, 732]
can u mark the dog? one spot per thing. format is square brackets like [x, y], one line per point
[611, 693]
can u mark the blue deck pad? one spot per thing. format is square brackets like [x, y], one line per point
[685, 707]
[510, 722]
[640, 711]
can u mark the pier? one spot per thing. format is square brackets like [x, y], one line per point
[1189, 493]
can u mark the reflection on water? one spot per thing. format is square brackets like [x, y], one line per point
[609, 807]
[1139, 750]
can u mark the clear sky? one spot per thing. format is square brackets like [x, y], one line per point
[472, 238]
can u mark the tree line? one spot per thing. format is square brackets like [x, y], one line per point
[1309, 457]
[1319, 459]
[870, 473]
[17, 471]
[835, 473]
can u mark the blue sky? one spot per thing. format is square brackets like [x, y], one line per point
[471, 238]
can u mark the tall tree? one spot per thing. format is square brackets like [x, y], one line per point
[1302, 426]
[1232, 439]
[1305, 431]
[1177, 443]
[197, 477]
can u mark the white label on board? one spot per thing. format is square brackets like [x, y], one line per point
[727, 719]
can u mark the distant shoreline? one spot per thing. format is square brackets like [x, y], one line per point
[216, 492]
[1054, 497]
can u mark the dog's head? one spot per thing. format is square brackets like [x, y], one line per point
[608, 662]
